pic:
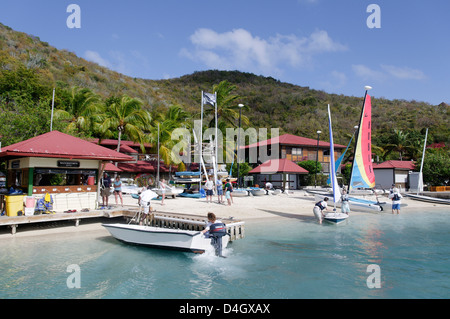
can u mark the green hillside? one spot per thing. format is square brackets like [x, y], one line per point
[30, 68]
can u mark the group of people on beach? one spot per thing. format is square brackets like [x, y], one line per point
[321, 206]
[228, 187]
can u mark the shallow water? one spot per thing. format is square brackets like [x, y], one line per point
[288, 258]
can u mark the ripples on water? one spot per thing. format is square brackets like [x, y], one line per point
[282, 259]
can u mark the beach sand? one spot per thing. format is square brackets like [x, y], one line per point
[297, 205]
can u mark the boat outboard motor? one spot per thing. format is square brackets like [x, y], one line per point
[216, 232]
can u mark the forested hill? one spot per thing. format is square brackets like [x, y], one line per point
[30, 68]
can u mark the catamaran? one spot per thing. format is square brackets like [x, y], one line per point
[362, 175]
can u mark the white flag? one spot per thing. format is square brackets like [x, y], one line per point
[209, 98]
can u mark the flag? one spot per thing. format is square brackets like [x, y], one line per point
[209, 98]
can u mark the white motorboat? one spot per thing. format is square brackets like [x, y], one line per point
[167, 238]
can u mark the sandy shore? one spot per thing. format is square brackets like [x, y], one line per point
[296, 204]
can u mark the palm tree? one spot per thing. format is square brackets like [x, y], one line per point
[82, 110]
[399, 143]
[176, 117]
[227, 106]
[127, 117]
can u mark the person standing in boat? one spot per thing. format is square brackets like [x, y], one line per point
[345, 207]
[318, 209]
[145, 201]
[396, 200]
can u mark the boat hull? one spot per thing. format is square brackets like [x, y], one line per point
[258, 192]
[357, 204]
[175, 239]
[429, 199]
[239, 193]
[335, 218]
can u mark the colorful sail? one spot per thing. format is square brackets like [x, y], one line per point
[334, 183]
[362, 170]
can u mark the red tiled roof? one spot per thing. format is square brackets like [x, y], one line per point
[289, 139]
[60, 145]
[138, 167]
[110, 167]
[111, 142]
[409, 165]
[278, 166]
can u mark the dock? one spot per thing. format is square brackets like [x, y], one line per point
[236, 228]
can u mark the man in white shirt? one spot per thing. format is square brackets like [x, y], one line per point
[144, 200]
[209, 185]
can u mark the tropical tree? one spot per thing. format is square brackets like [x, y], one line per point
[126, 116]
[81, 110]
[163, 127]
[227, 106]
[399, 142]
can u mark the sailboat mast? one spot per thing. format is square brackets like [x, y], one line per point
[420, 186]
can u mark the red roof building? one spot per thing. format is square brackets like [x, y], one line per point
[276, 166]
[59, 145]
[280, 172]
[393, 172]
[298, 149]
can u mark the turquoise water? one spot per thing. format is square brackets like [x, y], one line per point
[290, 258]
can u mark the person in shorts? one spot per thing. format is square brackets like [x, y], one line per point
[145, 202]
[396, 200]
[209, 185]
[219, 187]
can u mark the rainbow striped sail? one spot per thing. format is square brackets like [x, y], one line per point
[362, 170]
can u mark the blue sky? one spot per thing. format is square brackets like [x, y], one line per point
[323, 44]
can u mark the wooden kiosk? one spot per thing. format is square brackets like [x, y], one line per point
[66, 167]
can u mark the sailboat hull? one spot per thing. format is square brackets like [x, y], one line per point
[335, 218]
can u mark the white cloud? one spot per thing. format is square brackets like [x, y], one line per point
[404, 72]
[367, 73]
[95, 57]
[239, 49]
[388, 71]
[335, 80]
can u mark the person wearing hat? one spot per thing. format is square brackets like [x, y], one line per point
[318, 209]
[396, 200]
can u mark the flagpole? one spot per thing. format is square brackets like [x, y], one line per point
[53, 104]
[201, 143]
[217, 146]
[420, 186]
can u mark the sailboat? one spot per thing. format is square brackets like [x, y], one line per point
[334, 217]
[363, 176]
